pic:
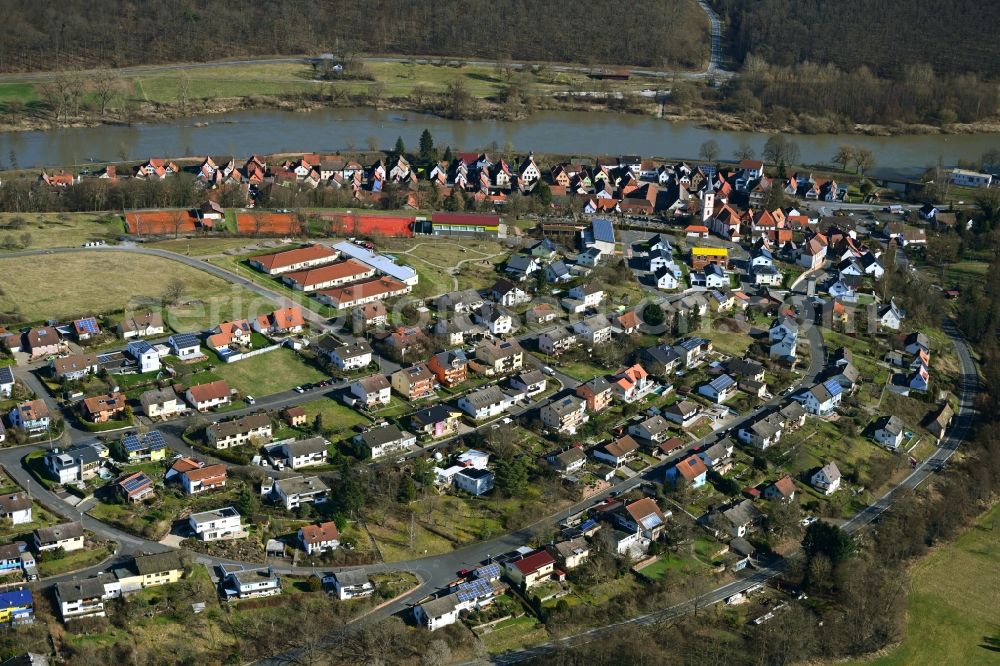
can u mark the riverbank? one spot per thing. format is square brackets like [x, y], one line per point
[487, 109]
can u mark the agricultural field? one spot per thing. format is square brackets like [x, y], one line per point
[952, 616]
[99, 282]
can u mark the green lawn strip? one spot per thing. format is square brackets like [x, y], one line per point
[72, 561]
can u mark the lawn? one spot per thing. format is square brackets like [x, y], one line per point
[965, 272]
[335, 415]
[199, 247]
[514, 634]
[57, 229]
[734, 344]
[580, 370]
[97, 282]
[953, 602]
[73, 561]
[672, 562]
[40, 517]
[270, 373]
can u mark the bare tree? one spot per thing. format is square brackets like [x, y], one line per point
[105, 84]
[177, 220]
[709, 150]
[173, 291]
[864, 159]
[844, 156]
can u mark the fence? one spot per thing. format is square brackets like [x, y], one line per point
[232, 358]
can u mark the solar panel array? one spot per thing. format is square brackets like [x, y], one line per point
[151, 440]
[832, 386]
[588, 525]
[474, 589]
[136, 482]
[87, 325]
[651, 521]
[488, 572]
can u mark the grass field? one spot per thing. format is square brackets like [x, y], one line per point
[273, 372]
[202, 246]
[56, 229]
[954, 596]
[335, 415]
[85, 283]
[72, 561]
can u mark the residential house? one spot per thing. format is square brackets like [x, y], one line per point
[500, 356]
[86, 328]
[206, 396]
[642, 516]
[161, 403]
[498, 321]
[436, 422]
[531, 569]
[31, 416]
[822, 399]
[719, 390]
[782, 490]
[295, 416]
[691, 350]
[304, 452]
[529, 383]
[568, 461]
[632, 384]
[485, 403]
[520, 266]
[280, 322]
[558, 271]
[73, 367]
[79, 462]
[664, 278]
[460, 302]
[252, 429]
[565, 415]
[145, 571]
[414, 383]
[625, 323]
[238, 582]
[660, 361]
[370, 314]
[762, 433]
[590, 257]
[691, 470]
[719, 456]
[15, 507]
[147, 358]
[685, 413]
[134, 488]
[352, 584]
[594, 330]
[6, 381]
[142, 325]
[18, 607]
[385, 440]
[508, 294]
[741, 518]
[294, 491]
[348, 356]
[185, 346]
[83, 598]
[889, 316]
[208, 477]
[474, 481]
[66, 536]
[590, 293]
[146, 446]
[319, 538]
[372, 391]
[217, 524]
[653, 430]
[618, 452]
[571, 553]
[43, 341]
[597, 393]
[827, 479]
[701, 257]
[556, 340]
[104, 408]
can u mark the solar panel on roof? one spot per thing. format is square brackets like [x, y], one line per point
[650, 521]
[131, 443]
[588, 524]
[832, 386]
[88, 325]
[488, 571]
[131, 485]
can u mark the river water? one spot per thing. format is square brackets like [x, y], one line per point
[564, 132]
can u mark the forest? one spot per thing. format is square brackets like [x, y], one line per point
[72, 35]
[886, 36]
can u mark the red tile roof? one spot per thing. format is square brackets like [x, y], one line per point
[532, 563]
[291, 257]
[319, 533]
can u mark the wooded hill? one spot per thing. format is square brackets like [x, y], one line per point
[76, 34]
[886, 36]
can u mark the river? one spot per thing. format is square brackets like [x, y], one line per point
[562, 132]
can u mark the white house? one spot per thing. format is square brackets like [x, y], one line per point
[485, 403]
[889, 432]
[185, 346]
[664, 278]
[16, 507]
[305, 452]
[351, 585]
[218, 524]
[317, 539]
[719, 390]
[591, 294]
[351, 356]
[372, 391]
[385, 440]
[596, 329]
[822, 399]
[827, 479]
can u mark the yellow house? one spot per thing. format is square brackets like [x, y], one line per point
[150, 571]
[147, 446]
[16, 607]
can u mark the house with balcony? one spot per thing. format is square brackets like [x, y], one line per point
[415, 382]
[373, 391]
[217, 525]
[385, 440]
[565, 415]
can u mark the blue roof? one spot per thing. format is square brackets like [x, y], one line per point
[603, 231]
[15, 598]
[6, 375]
[136, 483]
[651, 521]
[488, 571]
[474, 589]
[151, 440]
[140, 346]
[587, 525]
[833, 387]
[87, 325]
[185, 340]
[722, 382]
